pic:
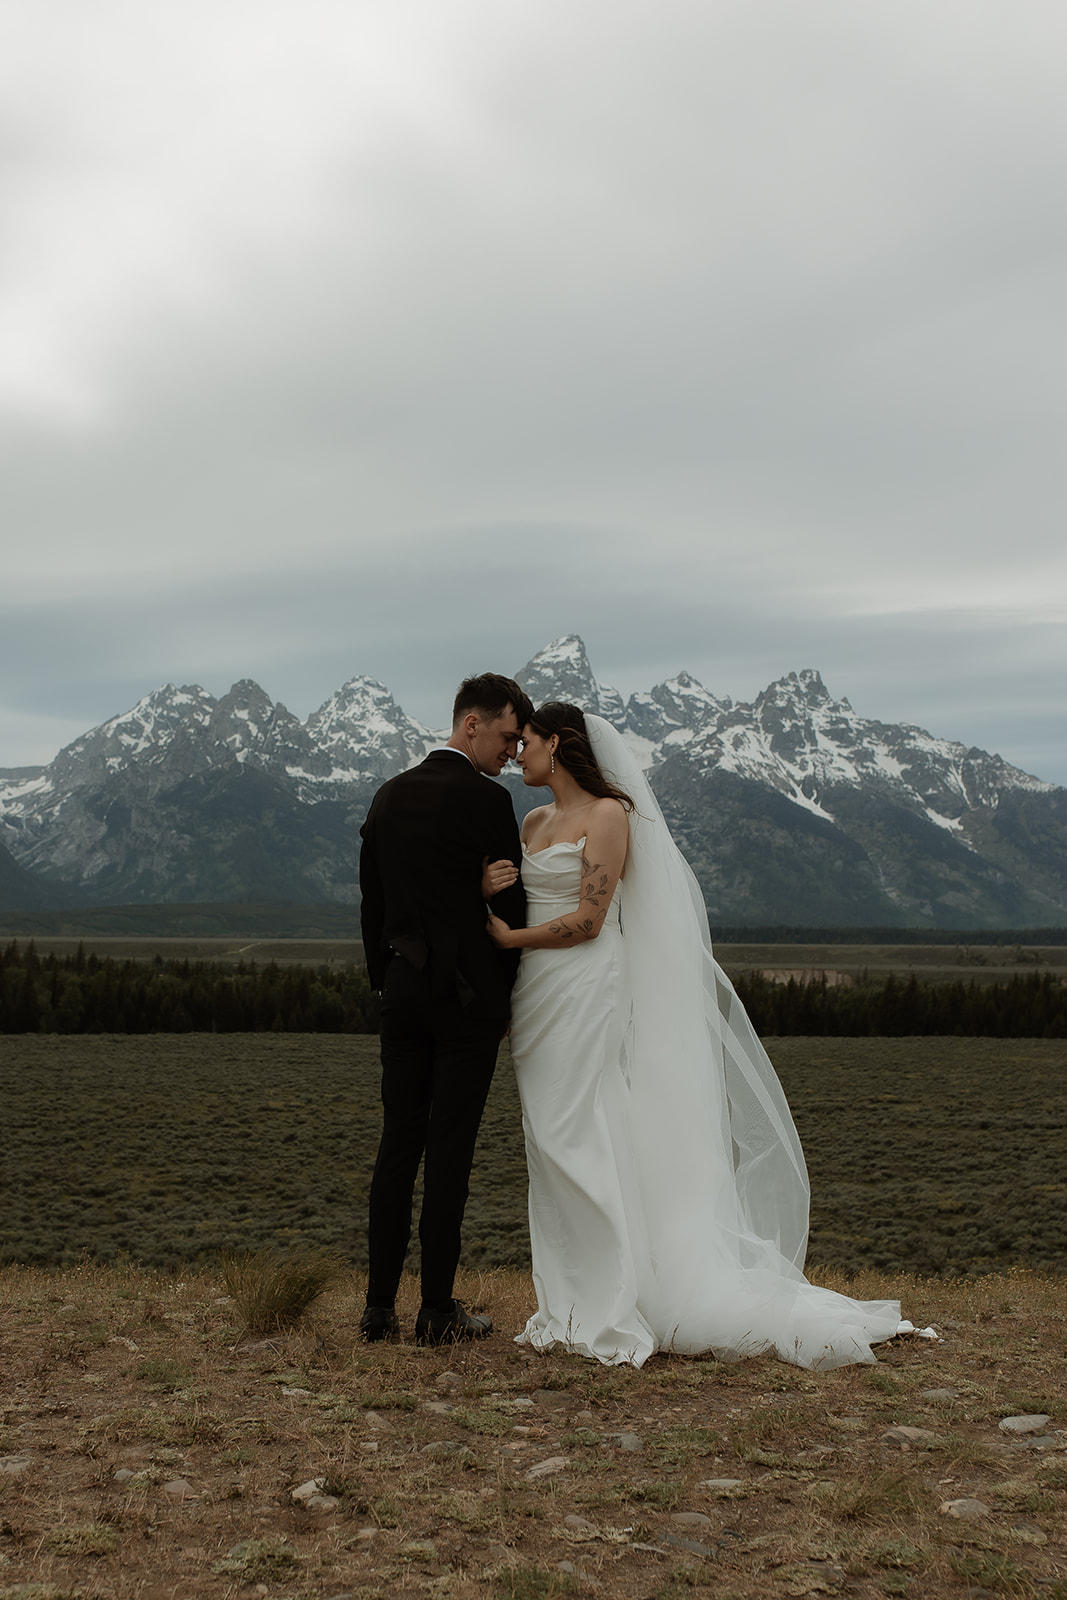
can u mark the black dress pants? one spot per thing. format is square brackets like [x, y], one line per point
[437, 1067]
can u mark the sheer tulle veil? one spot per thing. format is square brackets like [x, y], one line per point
[719, 1176]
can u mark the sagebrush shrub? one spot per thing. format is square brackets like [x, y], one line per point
[273, 1291]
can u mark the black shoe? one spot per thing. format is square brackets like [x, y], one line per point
[379, 1322]
[446, 1327]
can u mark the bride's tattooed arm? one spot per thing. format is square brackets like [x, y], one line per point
[602, 862]
[594, 895]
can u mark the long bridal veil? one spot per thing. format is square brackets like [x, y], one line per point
[717, 1185]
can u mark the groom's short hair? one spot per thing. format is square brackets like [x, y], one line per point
[490, 695]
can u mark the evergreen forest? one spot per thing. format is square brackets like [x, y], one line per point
[85, 994]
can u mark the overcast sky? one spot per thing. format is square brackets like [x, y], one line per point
[401, 338]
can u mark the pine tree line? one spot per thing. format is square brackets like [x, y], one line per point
[1033, 1006]
[90, 994]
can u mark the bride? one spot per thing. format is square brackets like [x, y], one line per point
[668, 1191]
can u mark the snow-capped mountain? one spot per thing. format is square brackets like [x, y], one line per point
[189, 797]
[794, 738]
[365, 735]
[792, 809]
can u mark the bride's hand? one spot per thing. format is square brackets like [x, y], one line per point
[497, 875]
[499, 932]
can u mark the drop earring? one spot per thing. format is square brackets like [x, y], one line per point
[551, 763]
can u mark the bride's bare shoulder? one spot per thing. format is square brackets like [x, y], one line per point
[607, 806]
[608, 813]
[531, 822]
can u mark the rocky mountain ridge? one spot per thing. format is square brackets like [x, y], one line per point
[792, 808]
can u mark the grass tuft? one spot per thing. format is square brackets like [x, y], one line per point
[89, 1539]
[661, 1493]
[532, 1583]
[989, 1570]
[896, 1553]
[480, 1420]
[865, 1496]
[257, 1561]
[388, 1400]
[163, 1374]
[273, 1291]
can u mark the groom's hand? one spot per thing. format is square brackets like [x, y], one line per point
[497, 875]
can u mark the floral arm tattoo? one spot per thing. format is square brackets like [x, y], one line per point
[594, 896]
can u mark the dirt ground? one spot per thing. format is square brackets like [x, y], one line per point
[149, 1451]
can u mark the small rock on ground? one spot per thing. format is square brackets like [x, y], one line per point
[553, 1399]
[546, 1469]
[694, 1546]
[304, 1491]
[569, 1570]
[627, 1441]
[179, 1489]
[965, 1510]
[1026, 1533]
[1030, 1424]
[810, 1577]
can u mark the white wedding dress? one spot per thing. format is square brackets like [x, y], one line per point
[668, 1192]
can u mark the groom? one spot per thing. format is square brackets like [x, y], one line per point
[446, 992]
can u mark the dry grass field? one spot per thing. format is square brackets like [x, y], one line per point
[925, 1155]
[150, 1451]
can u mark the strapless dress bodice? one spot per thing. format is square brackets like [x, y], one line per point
[552, 879]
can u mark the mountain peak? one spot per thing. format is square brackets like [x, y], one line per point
[561, 671]
[804, 687]
[569, 646]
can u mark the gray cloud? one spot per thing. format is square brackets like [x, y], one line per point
[728, 335]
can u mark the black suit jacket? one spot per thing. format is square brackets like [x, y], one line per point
[420, 874]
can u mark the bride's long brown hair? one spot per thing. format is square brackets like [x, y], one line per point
[575, 752]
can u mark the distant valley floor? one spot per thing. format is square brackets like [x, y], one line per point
[927, 1155]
